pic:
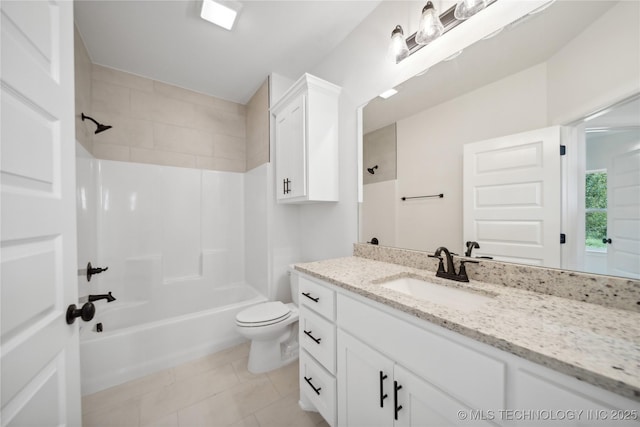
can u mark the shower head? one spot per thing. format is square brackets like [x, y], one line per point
[372, 170]
[99, 126]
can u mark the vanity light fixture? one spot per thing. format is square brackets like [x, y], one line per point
[398, 48]
[388, 93]
[432, 26]
[465, 9]
[221, 12]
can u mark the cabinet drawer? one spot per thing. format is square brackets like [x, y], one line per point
[318, 386]
[317, 297]
[318, 337]
[467, 375]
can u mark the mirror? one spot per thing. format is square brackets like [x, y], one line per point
[556, 67]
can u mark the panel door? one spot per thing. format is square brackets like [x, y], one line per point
[39, 358]
[423, 404]
[365, 385]
[511, 197]
[623, 217]
[291, 151]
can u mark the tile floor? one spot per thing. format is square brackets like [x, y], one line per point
[216, 390]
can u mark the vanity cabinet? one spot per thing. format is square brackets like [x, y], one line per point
[394, 369]
[306, 142]
[317, 337]
[375, 391]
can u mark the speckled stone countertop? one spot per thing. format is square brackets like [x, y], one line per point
[594, 343]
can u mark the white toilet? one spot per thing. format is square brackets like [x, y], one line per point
[272, 328]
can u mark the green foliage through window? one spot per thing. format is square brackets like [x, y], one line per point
[596, 209]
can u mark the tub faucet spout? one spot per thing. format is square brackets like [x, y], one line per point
[108, 297]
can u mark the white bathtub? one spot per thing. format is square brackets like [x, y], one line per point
[184, 321]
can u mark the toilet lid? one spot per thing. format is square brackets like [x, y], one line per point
[268, 312]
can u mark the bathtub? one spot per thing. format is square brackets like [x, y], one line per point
[183, 321]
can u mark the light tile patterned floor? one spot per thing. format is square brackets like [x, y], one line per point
[216, 390]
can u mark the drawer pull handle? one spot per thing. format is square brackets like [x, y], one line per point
[317, 390]
[396, 387]
[308, 333]
[383, 396]
[308, 295]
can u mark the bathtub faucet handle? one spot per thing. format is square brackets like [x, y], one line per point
[94, 270]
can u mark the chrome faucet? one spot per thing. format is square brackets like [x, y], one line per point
[450, 272]
[108, 297]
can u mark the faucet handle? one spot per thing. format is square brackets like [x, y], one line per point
[440, 263]
[462, 273]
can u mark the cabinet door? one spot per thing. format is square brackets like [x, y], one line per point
[291, 151]
[425, 405]
[365, 378]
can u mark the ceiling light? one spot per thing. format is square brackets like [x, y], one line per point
[388, 93]
[398, 48]
[221, 12]
[430, 27]
[465, 9]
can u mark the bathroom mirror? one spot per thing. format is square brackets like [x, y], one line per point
[555, 67]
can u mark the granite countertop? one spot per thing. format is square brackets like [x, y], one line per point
[593, 343]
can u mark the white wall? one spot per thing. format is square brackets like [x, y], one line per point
[588, 74]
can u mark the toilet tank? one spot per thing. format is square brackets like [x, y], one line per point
[293, 282]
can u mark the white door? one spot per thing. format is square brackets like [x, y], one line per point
[511, 197]
[623, 216]
[39, 350]
[365, 385]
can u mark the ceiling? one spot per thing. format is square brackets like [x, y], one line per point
[521, 45]
[168, 41]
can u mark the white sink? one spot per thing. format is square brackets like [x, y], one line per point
[449, 296]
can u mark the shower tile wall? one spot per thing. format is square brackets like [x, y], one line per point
[157, 123]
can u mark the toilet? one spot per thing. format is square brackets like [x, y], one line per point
[272, 328]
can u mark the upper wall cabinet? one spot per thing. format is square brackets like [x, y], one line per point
[306, 141]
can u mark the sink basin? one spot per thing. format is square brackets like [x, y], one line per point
[466, 300]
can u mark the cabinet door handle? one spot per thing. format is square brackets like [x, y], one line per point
[288, 186]
[284, 186]
[308, 295]
[308, 333]
[317, 390]
[397, 407]
[383, 396]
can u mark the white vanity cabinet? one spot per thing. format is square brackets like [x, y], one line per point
[306, 142]
[375, 391]
[393, 369]
[317, 339]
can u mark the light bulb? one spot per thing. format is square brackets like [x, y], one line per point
[398, 48]
[467, 8]
[430, 27]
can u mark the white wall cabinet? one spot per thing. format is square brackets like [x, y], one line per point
[306, 142]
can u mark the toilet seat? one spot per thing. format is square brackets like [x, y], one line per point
[263, 314]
